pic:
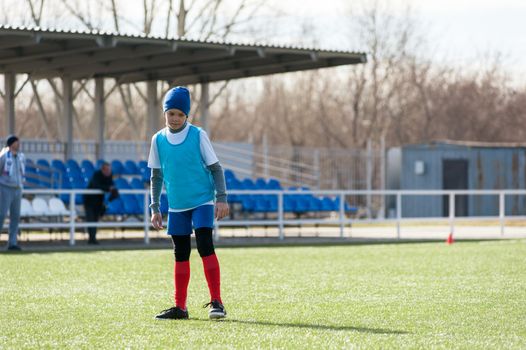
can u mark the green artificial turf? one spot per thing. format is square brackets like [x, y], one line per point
[428, 295]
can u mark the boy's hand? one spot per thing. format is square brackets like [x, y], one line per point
[157, 221]
[222, 210]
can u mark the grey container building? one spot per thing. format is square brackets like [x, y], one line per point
[457, 165]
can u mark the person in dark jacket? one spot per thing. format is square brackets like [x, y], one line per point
[94, 203]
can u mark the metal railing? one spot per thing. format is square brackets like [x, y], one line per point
[52, 180]
[281, 221]
[292, 166]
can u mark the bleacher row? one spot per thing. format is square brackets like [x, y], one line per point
[71, 174]
[53, 207]
[136, 175]
[292, 203]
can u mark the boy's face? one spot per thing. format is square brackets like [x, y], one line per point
[174, 118]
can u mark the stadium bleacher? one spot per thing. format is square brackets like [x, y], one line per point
[136, 175]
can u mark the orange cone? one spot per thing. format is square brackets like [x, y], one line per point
[450, 239]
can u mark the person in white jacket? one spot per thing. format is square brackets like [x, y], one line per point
[12, 171]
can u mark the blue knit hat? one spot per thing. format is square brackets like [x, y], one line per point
[179, 98]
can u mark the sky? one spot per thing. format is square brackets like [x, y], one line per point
[459, 31]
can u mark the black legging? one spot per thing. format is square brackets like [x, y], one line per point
[203, 239]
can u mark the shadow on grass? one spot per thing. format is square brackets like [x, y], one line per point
[130, 245]
[310, 326]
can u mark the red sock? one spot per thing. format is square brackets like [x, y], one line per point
[181, 279]
[213, 276]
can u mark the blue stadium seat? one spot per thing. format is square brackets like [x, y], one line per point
[133, 203]
[130, 205]
[130, 168]
[99, 163]
[261, 184]
[289, 205]
[73, 172]
[87, 168]
[31, 176]
[145, 173]
[72, 165]
[143, 164]
[115, 207]
[248, 184]
[45, 183]
[351, 209]
[143, 169]
[140, 202]
[43, 163]
[336, 203]
[58, 165]
[234, 184]
[32, 182]
[137, 184]
[273, 203]
[327, 204]
[274, 184]
[43, 171]
[302, 205]
[58, 178]
[78, 182]
[247, 204]
[229, 175]
[30, 168]
[122, 184]
[66, 185]
[266, 203]
[75, 175]
[314, 204]
[117, 167]
[346, 206]
[261, 205]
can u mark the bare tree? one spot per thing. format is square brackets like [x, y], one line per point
[150, 10]
[398, 94]
[36, 9]
[115, 15]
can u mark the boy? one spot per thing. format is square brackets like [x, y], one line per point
[182, 156]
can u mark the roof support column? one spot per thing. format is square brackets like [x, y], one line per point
[205, 106]
[67, 121]
[9, 99]
[100, 117]
[152, 120]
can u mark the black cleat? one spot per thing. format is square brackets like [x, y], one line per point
[14, 248]
[217, 310]
[173, 313]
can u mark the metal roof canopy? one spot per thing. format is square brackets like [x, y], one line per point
[78, 55]
[82, 55]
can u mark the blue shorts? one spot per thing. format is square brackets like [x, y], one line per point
[180, 223]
